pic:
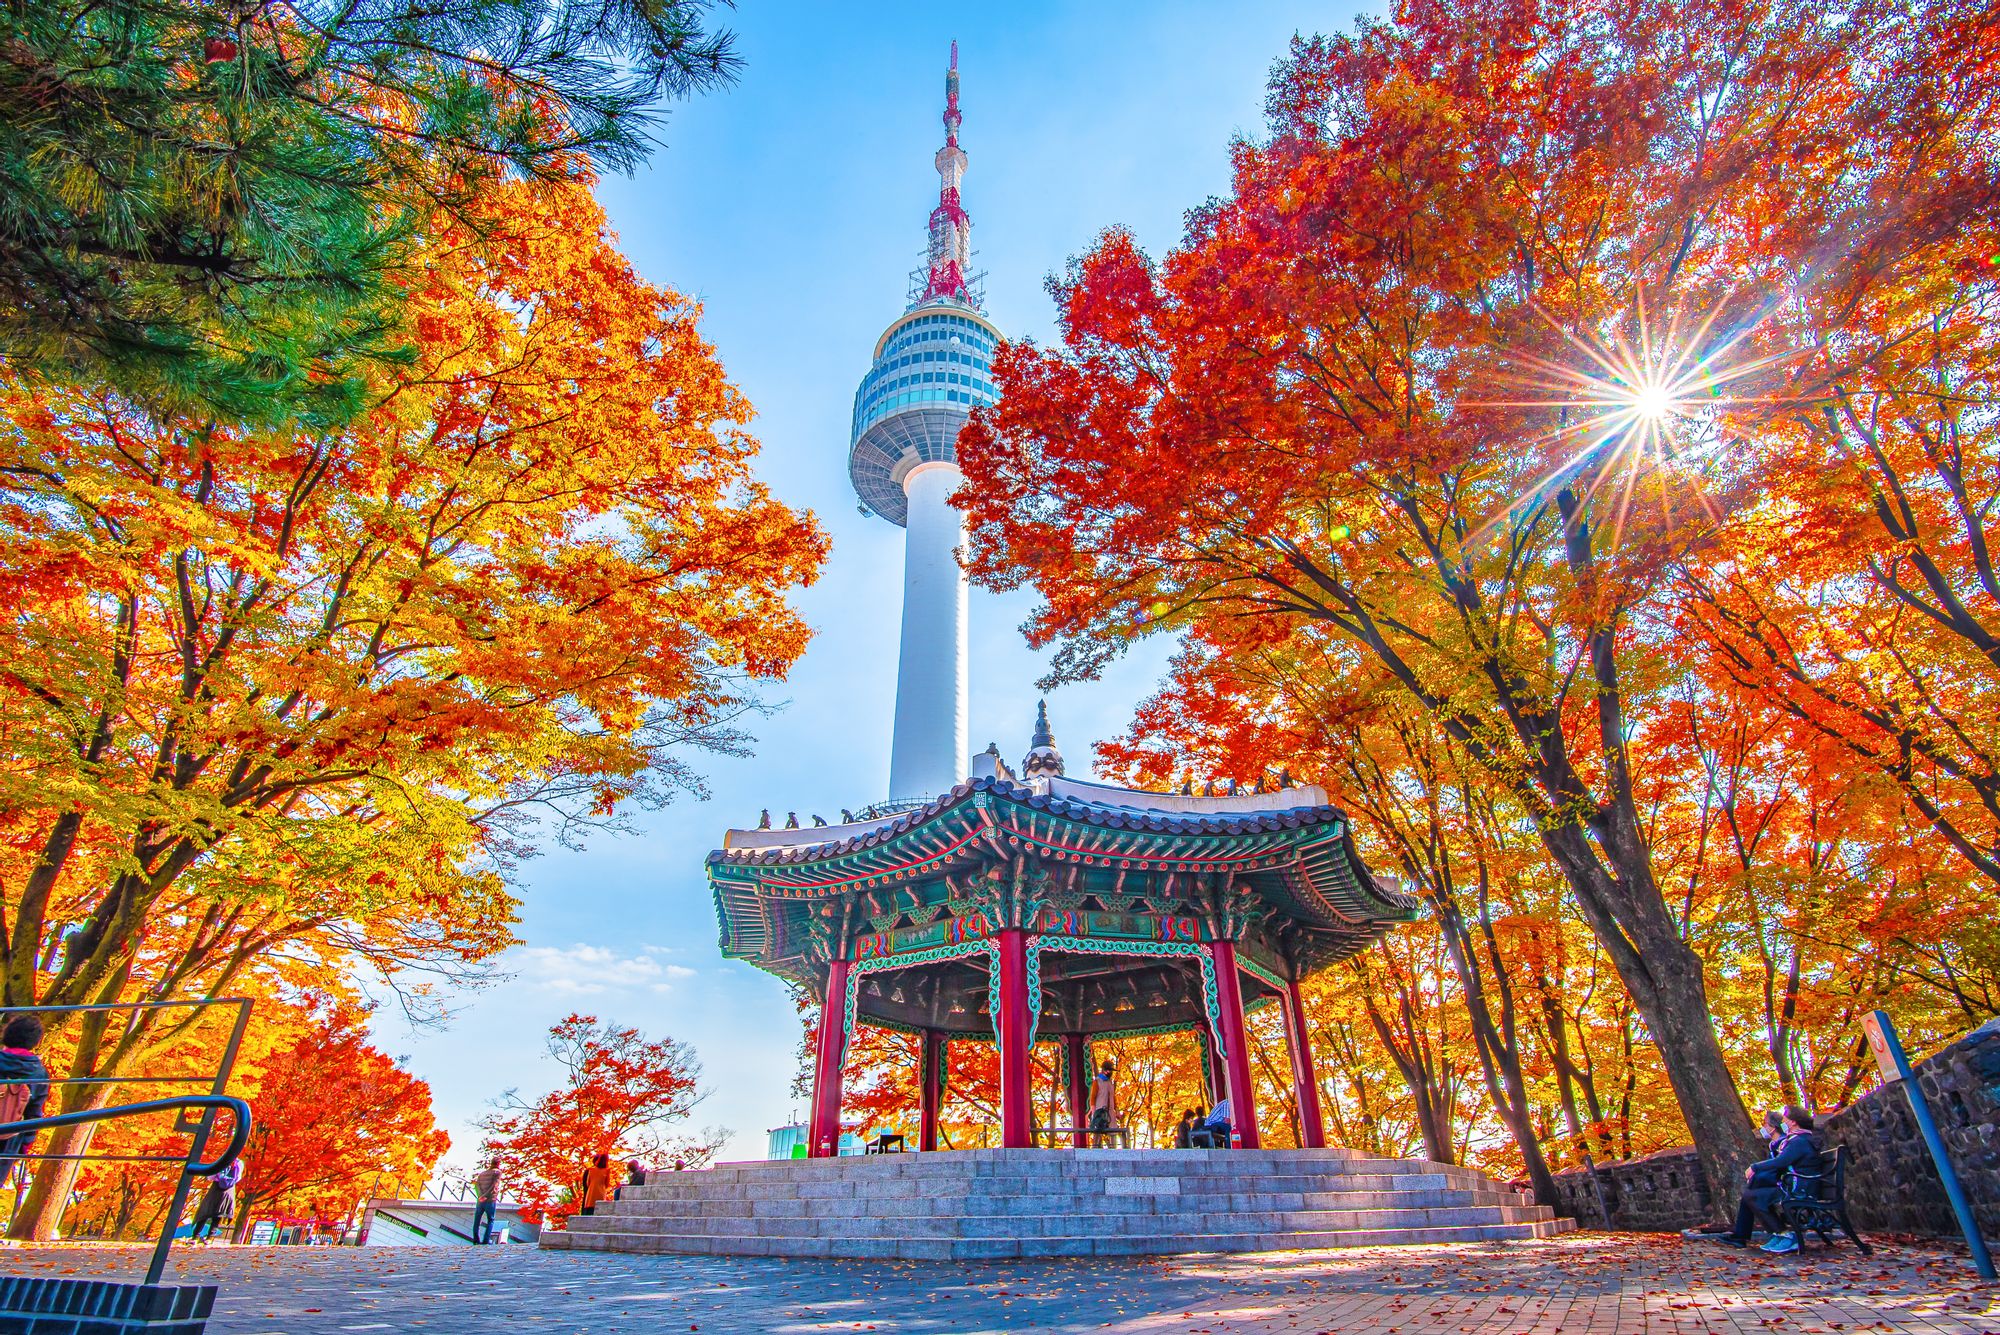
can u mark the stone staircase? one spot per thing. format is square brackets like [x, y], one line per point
[1008, 1204]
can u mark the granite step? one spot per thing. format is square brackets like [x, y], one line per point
[908, 1187]
[1006, 1204]
[692, 1213]
[1077, 1163]
[1000, 1249]
[1175, 1224]
[1235, 1163]
[1051, 1202]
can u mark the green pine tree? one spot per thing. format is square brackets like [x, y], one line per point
[205, 206]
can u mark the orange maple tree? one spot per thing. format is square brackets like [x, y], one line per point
[323, 689]
[336, 1119]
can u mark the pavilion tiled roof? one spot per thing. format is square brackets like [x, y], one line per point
[1097, 814]
[1299, 857]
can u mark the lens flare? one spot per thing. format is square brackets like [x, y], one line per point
[1653, 402]
[1621, 409]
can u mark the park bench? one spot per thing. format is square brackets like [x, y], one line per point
[881, 1144]
[1817, 1202]
[1053, 1132]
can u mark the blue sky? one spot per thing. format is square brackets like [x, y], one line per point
[793, 208]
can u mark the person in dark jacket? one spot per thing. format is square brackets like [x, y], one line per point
[218, 1203]
[1795, 1151]
[24, 1084]
[1770, 1131]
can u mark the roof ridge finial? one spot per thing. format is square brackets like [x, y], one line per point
[1044, 736]
[948, 257]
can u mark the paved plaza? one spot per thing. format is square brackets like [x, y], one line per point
[1591, 1283]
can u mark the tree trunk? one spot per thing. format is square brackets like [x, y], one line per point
[40, 1217]
[1496, 1041]
[1663, 975]
[1433, 1119]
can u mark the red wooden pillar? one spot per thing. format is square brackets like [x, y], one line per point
[823, 1126]
[1076, 1055]
[1236, 1061]
[931, 1052]
[1305, 1082]
[1010, 1028]
[1204, 1039]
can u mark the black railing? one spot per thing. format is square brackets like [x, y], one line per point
[196, 1111]
[239, 1134]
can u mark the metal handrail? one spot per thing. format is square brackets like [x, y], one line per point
[239, 1132]
[197, 1112]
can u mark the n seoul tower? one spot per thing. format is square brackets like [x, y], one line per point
[932, 365]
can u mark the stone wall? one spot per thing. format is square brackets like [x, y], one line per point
[1892, 1186]
[1659, 1193]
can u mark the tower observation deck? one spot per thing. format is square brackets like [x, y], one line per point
[932, 366]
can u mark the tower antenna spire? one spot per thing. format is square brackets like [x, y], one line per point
[948, 261]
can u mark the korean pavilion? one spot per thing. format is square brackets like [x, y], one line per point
[1015, 907]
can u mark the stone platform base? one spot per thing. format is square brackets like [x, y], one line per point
[1008, 1204]
[47, 1305]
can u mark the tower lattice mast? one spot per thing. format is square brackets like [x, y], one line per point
[948, 271]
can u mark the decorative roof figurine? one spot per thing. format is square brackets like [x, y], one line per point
[989, 764]
[1042, 760]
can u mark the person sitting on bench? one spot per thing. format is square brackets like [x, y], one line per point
[1797, 1150]
[1213, 1134]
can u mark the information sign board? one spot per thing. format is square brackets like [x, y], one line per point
[1881, 1033]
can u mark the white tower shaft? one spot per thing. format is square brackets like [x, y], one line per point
[933, 728]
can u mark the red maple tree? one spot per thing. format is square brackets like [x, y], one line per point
[334, 1119]
[1528, 340]
[621, 1095]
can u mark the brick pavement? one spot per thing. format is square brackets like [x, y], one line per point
[1587, 1284]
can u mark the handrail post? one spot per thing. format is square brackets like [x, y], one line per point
[157, 1267]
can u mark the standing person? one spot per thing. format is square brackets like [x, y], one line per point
[1101, 1119]
[24, 1093]
[24, 1084]
[485, 1200]
[218, 1203]
[597, 1182]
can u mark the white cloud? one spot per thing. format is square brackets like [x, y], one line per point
[585, 970]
